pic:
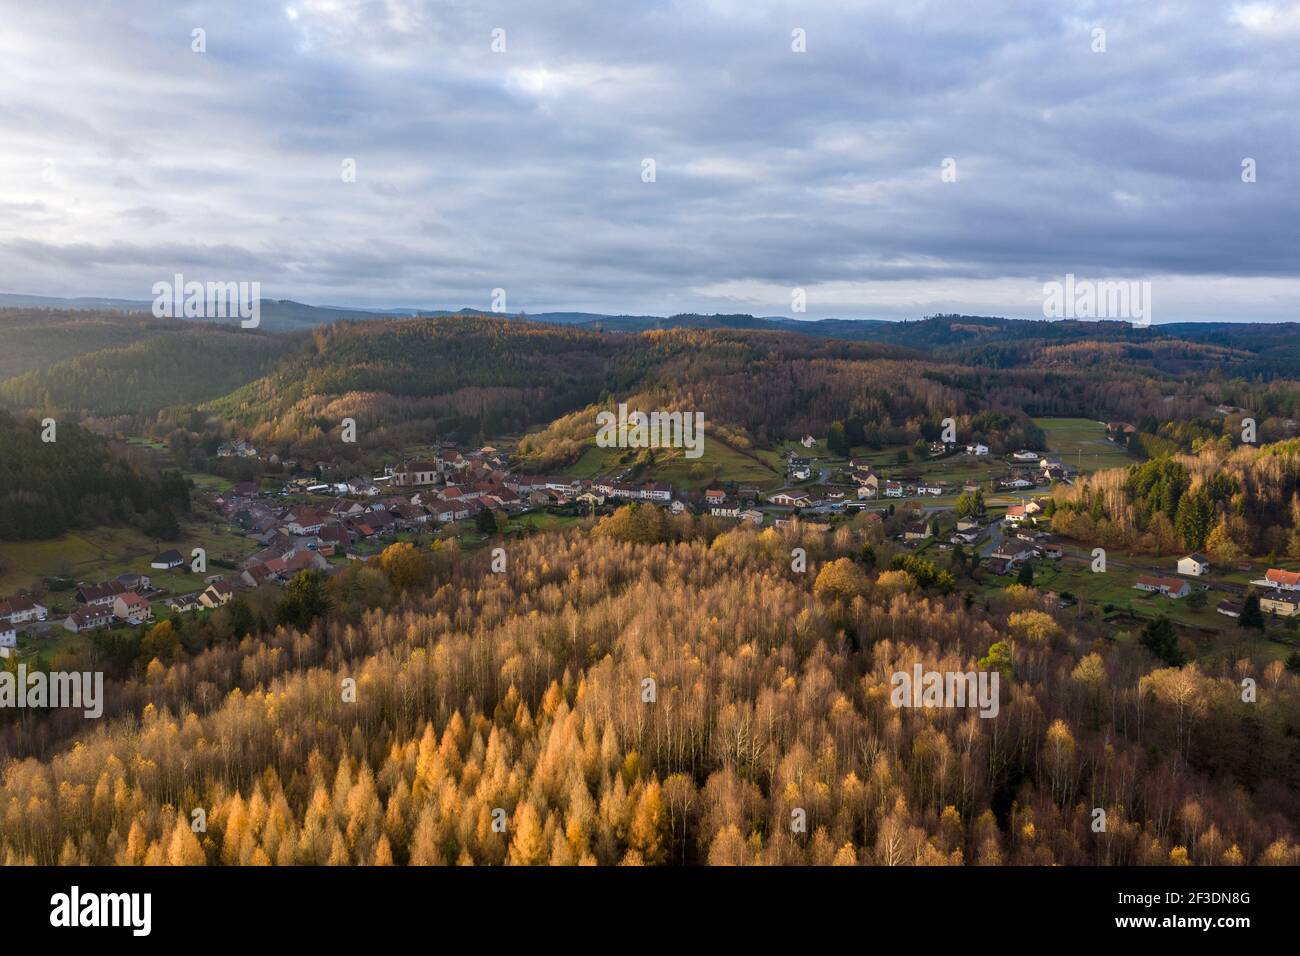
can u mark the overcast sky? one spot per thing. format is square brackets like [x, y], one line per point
[128, 157]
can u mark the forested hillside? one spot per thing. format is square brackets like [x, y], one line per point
[1228, 502]
[410, 379]
[77, 481]
[178, 364]
[36, 338]
[521, 698]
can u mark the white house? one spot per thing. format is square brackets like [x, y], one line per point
[450, 511]
[1194, 564]
[1025, 455]
[790, 500]
[802, 473]
[186, 602]
[655, 491]
[306, 521]
[1015, 514]
[977, 449]
[1286, 580]
[808, 441]
[893, 489]
[88, 618]
[167, 560]
[20, 610]
[362, 485]
[218, 594]
[1013, 551]
[8, 636]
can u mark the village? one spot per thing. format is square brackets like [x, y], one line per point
[305, 523]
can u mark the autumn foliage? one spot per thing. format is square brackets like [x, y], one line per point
[503, 719]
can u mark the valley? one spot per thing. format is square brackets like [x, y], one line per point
[340, 480]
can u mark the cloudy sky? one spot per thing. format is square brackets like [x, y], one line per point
[128, 156]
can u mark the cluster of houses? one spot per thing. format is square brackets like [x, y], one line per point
[124, 600]
[718, 504]
[976, 449]
[798, 468]
[871, 485]
[120, 600]
[14, 611]
[1043, 472]
[1279, 592]
[236, 449]
[1020, 544]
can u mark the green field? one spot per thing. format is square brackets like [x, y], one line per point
[1081, 443]
[718, 463]
[541, 521]
[1078, 442]
[100, 554]
[1214, 633]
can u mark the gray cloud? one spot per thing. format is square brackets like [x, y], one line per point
[130, 157]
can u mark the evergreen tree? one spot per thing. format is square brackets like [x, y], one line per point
[1160, 638]
[1251, 614]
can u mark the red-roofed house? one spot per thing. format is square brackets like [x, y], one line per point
[132, 608]
[1169, 587]
[1286, 580]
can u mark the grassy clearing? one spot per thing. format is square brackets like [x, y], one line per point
[1215, 635]
[718, 463]
[541, 521]
[100, 554]
[1081, 443]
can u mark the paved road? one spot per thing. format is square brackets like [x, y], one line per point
[994, 539]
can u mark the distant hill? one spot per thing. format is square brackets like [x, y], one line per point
[14, 300]
[277, 315]
[408, 379]
[850, 329]
[32, 339]
[172, 363]
[937, 332]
